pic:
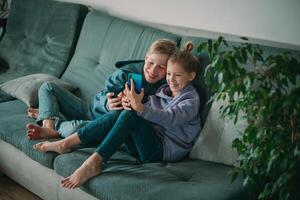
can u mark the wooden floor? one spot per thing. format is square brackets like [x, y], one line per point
[10, 190]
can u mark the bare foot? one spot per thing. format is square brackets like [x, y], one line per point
[33, 113]
[57, 146]
[37, 132]
[90, 168]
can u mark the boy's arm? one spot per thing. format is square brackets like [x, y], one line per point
[114, 84]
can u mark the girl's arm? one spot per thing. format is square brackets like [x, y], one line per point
[134, 99]
[176, 115]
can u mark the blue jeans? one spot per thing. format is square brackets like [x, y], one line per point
[55, 101]
[114, 129]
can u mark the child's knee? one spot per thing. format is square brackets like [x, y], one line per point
[47, 86]
[128, 114]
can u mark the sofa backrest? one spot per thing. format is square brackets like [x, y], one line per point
[103, 41]
[40, 36]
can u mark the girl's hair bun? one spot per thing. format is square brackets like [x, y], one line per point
[188, 46]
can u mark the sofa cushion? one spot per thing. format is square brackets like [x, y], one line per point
[14, 107]
[101, 45]
[12, 128]
[40, 37]
[26, 88]
[13, 131]
[215, 140]
[5, 97]
[125, 179]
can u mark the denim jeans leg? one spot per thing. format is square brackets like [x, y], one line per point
[54, 99]
[148, 144]
[144, 140]
[66, 128]
[95, 131]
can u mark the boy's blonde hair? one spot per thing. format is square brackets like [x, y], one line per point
[163, 46]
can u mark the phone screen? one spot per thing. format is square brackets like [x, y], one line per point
[137, 79]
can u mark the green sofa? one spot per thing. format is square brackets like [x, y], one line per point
[103, 41]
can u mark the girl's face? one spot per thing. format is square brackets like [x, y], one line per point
[155, 67]
[177, 77]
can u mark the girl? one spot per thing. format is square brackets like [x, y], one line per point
[163, 129]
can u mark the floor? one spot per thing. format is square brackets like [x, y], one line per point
[10, 190]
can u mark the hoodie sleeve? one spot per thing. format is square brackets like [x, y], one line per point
[115, 83]
[181, 113]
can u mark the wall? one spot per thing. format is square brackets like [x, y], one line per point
[267, 22]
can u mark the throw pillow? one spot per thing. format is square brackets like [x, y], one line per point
[26, 88]
[215, 141]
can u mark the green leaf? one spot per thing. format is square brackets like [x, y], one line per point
[210, 48]
[220, 39]
[215, 60]
[296, 151]
[225, 43]
[202, 47]
[265, 193]
[247, 181]
[258, 57]
[220, 77]
[233, 174]
[249, 49]
[244, 56]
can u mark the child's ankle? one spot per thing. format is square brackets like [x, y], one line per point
[48, 123]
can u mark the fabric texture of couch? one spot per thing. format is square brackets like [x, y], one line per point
[40, 37]
[103, 41]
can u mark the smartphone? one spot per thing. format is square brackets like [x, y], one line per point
[137, 79]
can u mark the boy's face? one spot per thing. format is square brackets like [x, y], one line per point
[155, 67]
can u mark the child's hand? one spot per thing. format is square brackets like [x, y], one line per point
[125, 100]
[135, 99]
[114, 103]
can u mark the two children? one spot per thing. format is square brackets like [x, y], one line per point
[54, 100]
[162, 129]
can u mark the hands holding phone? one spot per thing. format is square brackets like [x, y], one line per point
[133, 99]
[114, 103]
[130, 97]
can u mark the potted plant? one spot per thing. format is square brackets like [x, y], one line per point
[266, 89]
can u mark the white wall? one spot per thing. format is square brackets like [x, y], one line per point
[269, 22]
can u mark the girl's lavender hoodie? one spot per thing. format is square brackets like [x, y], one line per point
[175, 119]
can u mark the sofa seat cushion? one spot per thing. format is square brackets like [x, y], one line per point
[123, 178]
[13, 131]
